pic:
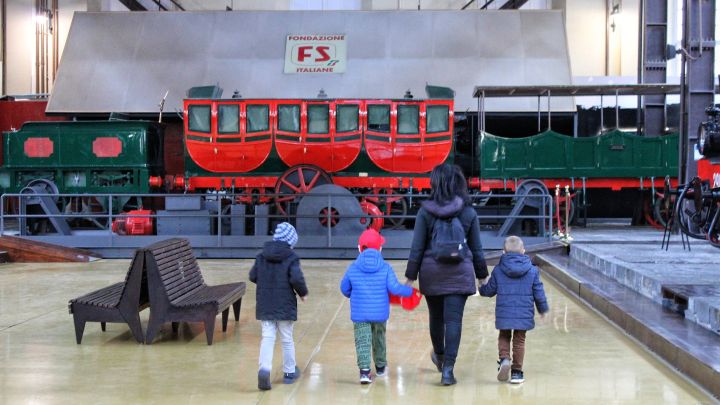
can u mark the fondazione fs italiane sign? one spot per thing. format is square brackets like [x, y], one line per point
[315, 53]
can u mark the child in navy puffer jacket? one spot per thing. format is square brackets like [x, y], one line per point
[519, 289]
[367, 283]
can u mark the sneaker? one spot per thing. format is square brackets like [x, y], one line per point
[517, 377]
[503, 370]
[380, 371]
[264, 380]
[437, 360]
[365, 376]
[289, 378]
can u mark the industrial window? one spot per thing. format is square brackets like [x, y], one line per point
[347, 117]
[379, 118]
[289, 117]
[408, 119]
[318, 118]
[228, 119]
[257, 118]
[199, 118]
[437, 118]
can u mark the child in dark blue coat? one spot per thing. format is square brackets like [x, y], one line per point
[519, 290]
[367, 283]
[279, 281]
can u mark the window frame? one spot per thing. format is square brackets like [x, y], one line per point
[389, 115]
[299, 111]
[220, 116]
[427, 118]
[209, 122]
[402, 107]
[247, 118]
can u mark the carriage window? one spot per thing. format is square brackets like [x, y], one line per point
[318, 118]
[199, 118]
[408, 119]
[257, 118]
[437, 118]
[289, 118]
[347, 117]
[379, 118]
[229, 119]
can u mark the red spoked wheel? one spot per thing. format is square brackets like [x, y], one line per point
[391, 204]
[329, 216]
[295, 182]
[376, 220]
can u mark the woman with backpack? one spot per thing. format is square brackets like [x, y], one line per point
[446, 254]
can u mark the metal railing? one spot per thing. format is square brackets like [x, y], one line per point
[215, 204]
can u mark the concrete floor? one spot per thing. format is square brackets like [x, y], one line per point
[574, 356]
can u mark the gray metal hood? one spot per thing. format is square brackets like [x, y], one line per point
[126, 61]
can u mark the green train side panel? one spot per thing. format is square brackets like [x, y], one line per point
[83, 156]
[551, 155]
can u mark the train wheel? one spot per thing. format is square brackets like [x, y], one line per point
[393, 205]
[295, 182]
[376, 216]
[691, 213]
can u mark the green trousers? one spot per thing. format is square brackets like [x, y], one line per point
[370, 335]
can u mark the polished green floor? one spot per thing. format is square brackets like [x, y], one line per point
[573, 357]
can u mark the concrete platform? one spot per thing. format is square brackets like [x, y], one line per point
[574, 356]
[689, 348]
[633, 257]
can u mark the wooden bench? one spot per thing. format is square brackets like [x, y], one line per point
[120, 302]
[178, 292]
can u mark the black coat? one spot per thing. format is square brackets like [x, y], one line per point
[442, 278]
[278, 277]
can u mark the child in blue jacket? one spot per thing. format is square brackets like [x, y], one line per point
[518, 287]
[367, 283]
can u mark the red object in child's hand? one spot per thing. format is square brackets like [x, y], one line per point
[408, 303]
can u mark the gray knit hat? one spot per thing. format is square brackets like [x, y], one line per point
[286, 233]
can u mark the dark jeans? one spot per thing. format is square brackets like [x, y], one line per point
[446, 313]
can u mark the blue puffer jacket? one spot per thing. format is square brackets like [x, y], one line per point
[367, 282]
[517, 285]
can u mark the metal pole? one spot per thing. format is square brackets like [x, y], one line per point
[602, 115]
[549, 112]
[538, 114]
[617, 111]
[110, 210]
[482, 107]
[568, 201]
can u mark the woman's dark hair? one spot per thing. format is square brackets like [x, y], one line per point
[447, 182]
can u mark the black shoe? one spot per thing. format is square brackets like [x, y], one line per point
[517, 377]
[264, 380]
[365, 376]
[289, 378]
[448, 378]
[380, 371]
[437, 360]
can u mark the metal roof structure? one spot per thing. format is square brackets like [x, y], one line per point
[579, 90]
[126, 61]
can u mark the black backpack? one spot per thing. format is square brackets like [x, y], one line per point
[448, 241]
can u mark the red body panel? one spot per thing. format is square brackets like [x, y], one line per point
[709, 171]
[331, 151]
[239, 152]
[412, 152]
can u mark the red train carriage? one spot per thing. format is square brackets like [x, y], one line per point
[263, 145]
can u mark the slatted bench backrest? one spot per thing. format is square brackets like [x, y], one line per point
[138, 264]
[177, 267]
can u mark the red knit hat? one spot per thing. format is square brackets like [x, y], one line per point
[371, 239]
